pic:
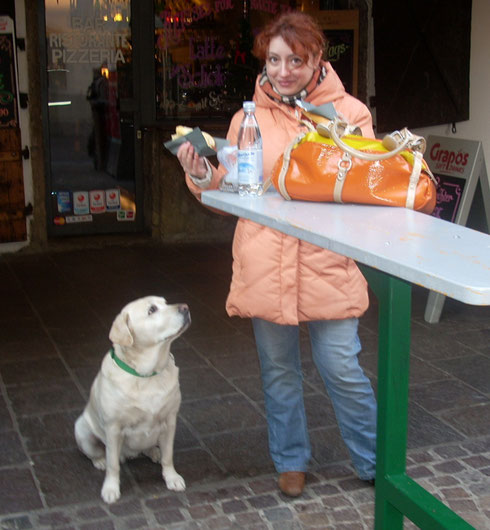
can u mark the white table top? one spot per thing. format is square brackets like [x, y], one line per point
[444, 257]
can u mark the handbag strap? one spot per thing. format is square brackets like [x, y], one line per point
[286, 158]
[414, 180]
[396, 142]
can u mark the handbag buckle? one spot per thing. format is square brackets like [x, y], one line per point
[418, 144]
[344, 165]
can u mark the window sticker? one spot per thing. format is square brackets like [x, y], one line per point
[79, 219]
[81, 203]
[112, 199]
[63, 199]
[126, 215]
[97, 201]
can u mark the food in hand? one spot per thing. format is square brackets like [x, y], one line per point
[182, 130]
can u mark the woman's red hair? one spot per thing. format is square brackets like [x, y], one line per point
[298, 30]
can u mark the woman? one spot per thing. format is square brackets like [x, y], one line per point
[279, 281]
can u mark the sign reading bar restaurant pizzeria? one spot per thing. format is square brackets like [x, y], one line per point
[458, 165]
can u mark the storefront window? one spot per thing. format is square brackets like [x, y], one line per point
[204, 65]
[90, 112]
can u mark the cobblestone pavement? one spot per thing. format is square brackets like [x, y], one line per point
[54, 320]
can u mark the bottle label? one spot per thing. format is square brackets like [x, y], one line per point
[250, 166]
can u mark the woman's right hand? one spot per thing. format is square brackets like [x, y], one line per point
[191, 162]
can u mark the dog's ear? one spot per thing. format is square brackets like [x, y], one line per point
[120, 332]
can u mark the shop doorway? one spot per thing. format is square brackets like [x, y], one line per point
[94, 179]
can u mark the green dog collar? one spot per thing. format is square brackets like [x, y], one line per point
[126, 367]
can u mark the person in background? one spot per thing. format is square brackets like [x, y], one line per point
[279, 281]
[97, 96]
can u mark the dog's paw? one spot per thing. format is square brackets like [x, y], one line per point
[110, 491]
[173, 480]
[99, 463]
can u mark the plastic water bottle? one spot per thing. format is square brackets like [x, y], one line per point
[249, 157]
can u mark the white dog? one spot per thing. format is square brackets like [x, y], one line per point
[135, 397]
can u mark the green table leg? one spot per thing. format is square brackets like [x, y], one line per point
[396, 493]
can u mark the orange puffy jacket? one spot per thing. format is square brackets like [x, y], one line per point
[275, 276]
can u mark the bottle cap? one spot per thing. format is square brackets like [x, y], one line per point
[248, 106]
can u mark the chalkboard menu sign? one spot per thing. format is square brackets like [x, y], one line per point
[449, 194]
[8, 103]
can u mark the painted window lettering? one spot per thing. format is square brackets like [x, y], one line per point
[207, 50]
[336, 52]
[206, 77]
[91, 56]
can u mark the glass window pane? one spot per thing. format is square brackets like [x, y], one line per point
[203, 60]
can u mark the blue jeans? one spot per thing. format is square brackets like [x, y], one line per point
[335, 347]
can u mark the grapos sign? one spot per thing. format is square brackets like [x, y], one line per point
[452, 161]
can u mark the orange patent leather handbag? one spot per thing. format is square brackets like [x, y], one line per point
[333, 165]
